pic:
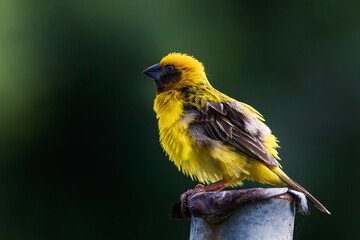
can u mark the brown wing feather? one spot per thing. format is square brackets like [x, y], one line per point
[217, 121]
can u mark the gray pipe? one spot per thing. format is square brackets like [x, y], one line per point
[258, 213]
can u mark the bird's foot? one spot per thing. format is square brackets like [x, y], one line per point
[213, 187]
[183, 197]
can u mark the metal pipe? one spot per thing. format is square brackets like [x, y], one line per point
[259, 213]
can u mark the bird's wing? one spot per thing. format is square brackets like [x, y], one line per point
[229, 124]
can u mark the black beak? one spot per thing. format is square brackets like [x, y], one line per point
[155, 72]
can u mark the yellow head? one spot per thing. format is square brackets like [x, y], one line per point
[182, 61]
[175, 71]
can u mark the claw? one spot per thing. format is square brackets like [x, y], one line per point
[217, 186]
[183, 197]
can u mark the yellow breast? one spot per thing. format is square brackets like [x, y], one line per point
[174, 136]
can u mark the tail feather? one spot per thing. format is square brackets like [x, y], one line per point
[299, 188]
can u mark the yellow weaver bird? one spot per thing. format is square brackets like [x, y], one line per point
[211, 137]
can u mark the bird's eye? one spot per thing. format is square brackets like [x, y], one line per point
[169, 67]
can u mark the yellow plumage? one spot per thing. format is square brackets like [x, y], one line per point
[210, 136]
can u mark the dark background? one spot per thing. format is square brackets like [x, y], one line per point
[79, 151]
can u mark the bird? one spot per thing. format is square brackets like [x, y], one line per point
[211, 137]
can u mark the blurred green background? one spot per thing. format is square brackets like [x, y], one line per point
[79, 151]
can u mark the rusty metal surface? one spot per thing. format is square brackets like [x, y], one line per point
[247, 214]
[217, 206]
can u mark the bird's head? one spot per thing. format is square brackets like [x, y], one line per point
[176, 70]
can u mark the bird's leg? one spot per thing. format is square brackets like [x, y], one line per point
[213, 187]
[216, 186]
